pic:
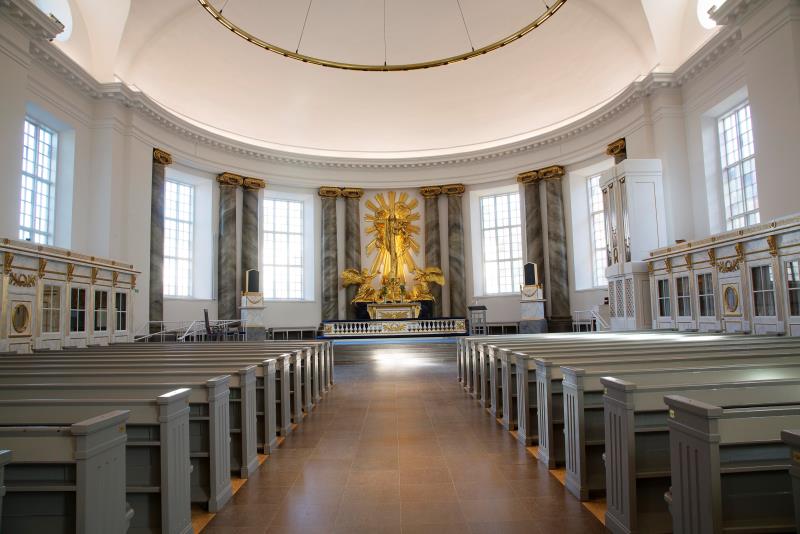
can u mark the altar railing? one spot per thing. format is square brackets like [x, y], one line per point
[395, 327]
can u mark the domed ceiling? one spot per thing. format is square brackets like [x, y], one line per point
[584, 55]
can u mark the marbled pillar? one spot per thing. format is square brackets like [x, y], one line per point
[455, 236]
[352, 241]
[330, 259]
[560, 318]
[160, 161]
[534, 237]
[250, 210]
[433, 243]
[227, 296]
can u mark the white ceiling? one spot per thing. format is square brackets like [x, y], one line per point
[181, 57]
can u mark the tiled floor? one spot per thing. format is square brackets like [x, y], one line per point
[398, 447]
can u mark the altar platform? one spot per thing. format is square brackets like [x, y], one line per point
[386, 328]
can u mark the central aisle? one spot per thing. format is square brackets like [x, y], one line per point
[397, 446]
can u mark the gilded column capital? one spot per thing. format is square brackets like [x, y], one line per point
[553, 172]
[351, 192]
[162, 157]
[228, 178]
[453, 189]
[616, 148]
[528, 177]
[8, 258]
[430, 191]
[254, 184]
[330, 192]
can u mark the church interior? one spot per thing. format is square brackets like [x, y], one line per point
[399, 266]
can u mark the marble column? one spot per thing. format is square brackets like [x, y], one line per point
[160, 161]
[330, 258]
[433, 242]
[560, 314]
[457, 279]
[250, 237]
[227, 296]
[534, 236]
[352, 241]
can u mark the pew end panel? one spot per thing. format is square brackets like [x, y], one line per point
[792, 439]
[5, 458]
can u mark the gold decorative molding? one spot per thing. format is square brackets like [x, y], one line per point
[453, 189]
[688, 259]
[650, 267]
[95, 272]
[22, 280]
[552, 172]
[712, 257]
[253, 184]
[42, 266]
[430, 191]
[7, 260]
[114, 278]
[133, 281]
[352, 192]
[729, 266]
[528, 177]
[162, 157]
[772, 243]
[228, 178]
[330, 191]
[70, 271]
[617, 148]
[668, 264]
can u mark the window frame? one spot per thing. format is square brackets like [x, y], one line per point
[700, 296]
[302, 234]
[683, 300]
[100, 312]
[51, 312]
[511, 226]
[595, 252]
[82, 311]
[191, 241]
[120, 313]
[726, 167]
[753, 292]
[661, 299]
[49, 235]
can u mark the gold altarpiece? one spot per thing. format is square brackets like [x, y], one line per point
[393, 286]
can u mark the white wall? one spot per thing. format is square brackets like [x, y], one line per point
[674, 120]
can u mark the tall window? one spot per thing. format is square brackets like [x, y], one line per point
[77, 310]
[178, 238]
[51, 309]
[739, 168]
[502, 243]
[664, 303]
[283, 249]
[705, 290]
[682, 294]
[793, 286]
[763, 291]
[598, 237]
[121, 307]
[38, 183]
[100, 311]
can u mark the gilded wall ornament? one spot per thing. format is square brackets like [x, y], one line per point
[528, 177]
[616, 148]
[95, 272]
[329, 192]
[228, 178]
[393, 230]
[42, 266]
[70, 271]
[772, 243]
[552, 172]
[8, 258]
[712, 257]
[453, 189]
[22, 280]
[253, 184]
[430, 191]
[352, 192]
[668, 264]
[162, 157]
[688, 259]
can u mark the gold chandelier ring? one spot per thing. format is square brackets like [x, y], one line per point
[249, 37]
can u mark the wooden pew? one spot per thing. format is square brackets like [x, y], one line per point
[157, 456]
[583, 406]
[209, 422]
[792, 439]
[67, 478]
[5, 458]
[730, 469]
[637, 442]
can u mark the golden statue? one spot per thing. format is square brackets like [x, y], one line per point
[365, 293]
[425, 277]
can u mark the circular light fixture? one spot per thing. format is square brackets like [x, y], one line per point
[549, 11]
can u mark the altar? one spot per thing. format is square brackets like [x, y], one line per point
[393, 310]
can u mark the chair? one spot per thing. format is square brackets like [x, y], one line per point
[212, 333]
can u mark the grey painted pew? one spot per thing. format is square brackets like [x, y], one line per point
[637, 442]
[730, 469]
[792, 439]
[583, 402]
[5, 458]
[209, 422]
[66, 479]
[157, 463]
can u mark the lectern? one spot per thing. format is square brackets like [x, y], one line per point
[252, 308]
[532, 320]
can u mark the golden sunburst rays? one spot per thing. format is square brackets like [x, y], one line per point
[391, 225]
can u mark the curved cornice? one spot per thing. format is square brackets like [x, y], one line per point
[56, 61]
[31, 19]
